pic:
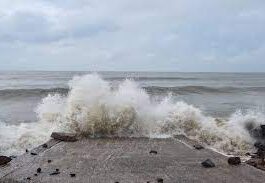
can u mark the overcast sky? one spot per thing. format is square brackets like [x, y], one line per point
[144, 35]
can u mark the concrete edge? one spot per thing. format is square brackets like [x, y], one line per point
[27, 157]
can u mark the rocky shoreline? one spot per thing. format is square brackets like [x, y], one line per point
[257, 159]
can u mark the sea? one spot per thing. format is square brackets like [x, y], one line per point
[217, 109]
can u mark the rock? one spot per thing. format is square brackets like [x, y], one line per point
[153, 152]
[262, 130]
[260, 153]
[4, 160]
[198, 146]
[45, 146]
[260, 150]
[39, 170]
[49, 161]
[159, 180]
[234, 161]
[259, 146]
[67, 137]
[28, 178]
[55, 173]
[208, 163]
[33, 154]
[35, 175]
[256, 162]
[72, 174]
[258, 132]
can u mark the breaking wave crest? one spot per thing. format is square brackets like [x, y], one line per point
[93, 108]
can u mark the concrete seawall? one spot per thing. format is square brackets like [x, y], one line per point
[125, 160]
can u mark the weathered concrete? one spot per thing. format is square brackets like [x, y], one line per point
[126, 160]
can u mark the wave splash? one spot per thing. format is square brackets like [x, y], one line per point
[93, 108]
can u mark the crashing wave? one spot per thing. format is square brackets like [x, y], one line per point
[93, 108]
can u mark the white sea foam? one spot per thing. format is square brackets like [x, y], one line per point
[94, 108]
[16, 138]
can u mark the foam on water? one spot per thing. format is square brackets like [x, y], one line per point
[93, 108]
[16, 138]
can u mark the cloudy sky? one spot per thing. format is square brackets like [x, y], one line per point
[144, 35]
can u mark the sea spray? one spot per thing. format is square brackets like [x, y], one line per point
[93, 108]
[16, 138]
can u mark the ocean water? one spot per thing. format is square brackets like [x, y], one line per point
[213, 108]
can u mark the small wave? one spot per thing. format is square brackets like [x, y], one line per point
[31, 92]
[201, 89]
[141, 78]
[150, 89]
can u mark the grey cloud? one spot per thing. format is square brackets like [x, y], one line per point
[199, 35]
[36, 28]
[27, 27]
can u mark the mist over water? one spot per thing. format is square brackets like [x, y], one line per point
[158, 106]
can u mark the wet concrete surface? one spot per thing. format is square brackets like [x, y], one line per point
[125, 160]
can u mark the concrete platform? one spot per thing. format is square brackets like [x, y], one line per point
[126, 160]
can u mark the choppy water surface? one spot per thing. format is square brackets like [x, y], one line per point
[210, 107]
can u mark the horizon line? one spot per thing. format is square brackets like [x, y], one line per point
[130, 71]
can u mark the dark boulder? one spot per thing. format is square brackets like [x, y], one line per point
[260, 145]
[258, 133]
[234, 161]
[260, 154]
[72, 174]
[260, 150]
[153, 152]
[39, 170]
[44, 145]
[208, 163]
[55, 173]
[67, 137]
[198, 146]
[4, 160]
[33, 154]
